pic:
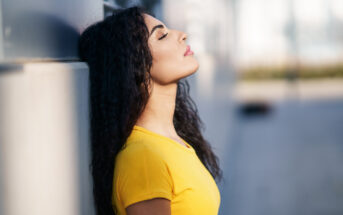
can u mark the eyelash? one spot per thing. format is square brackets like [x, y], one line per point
[163, 36]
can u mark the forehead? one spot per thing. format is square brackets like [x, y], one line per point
[151, 21]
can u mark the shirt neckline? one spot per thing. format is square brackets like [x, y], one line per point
[189, 148]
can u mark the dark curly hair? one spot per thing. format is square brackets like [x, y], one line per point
[117, 53]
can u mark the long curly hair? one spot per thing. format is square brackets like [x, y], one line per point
[119, 60]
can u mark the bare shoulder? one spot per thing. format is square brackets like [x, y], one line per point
[156, 206]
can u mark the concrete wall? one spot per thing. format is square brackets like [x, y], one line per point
[44, 144]
[44, 139]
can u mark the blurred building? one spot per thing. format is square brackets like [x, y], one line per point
[278, 32]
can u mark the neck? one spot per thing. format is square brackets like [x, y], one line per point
[159, 111]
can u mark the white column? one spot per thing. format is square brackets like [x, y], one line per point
[44, 139]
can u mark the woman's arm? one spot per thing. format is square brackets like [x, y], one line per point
[156, 206]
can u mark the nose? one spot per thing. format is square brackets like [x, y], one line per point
[183, 36]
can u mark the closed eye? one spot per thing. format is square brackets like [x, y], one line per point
[164, 35]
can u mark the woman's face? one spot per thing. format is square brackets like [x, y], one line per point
[172, 58]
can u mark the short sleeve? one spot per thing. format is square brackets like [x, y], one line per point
[142, 175]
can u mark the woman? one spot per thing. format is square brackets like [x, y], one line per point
[148, 153]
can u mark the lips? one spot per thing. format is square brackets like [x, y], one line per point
[188, 51]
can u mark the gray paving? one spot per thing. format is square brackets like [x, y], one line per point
[288, 162]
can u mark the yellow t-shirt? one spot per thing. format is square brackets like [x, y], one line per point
[152, 165]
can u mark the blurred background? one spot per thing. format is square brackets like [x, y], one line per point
[269, 90]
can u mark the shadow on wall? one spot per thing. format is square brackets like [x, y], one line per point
[47, 35]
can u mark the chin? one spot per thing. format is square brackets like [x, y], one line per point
[195, 66]
[188, 69]
[191, 71]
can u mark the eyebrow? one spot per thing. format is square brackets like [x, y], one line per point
[155, 27]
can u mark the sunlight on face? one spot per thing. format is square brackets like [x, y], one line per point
[172, 59]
